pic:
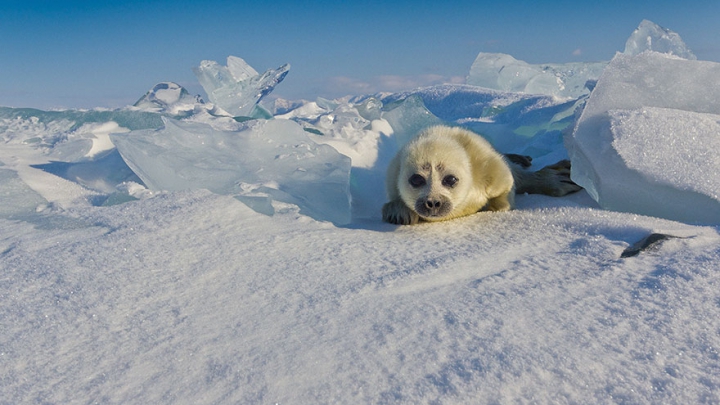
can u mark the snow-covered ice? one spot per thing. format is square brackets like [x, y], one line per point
[191, 297]
[198, 259]
[630, 150]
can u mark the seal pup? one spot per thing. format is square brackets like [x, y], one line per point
[449, 172]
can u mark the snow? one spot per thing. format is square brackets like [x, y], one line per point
[191, 297]
[194, 263]
[636, 143]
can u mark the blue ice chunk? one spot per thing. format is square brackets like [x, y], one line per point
[237, 87]
[264, 159]
[649, 36]
[644, 141]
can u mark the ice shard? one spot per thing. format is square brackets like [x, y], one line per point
[237, 88]
[169, 98]
[263, 160]
[649, 36]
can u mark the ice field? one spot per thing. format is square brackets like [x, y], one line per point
[230, 250]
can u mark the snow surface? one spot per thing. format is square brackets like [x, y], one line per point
[191, 297]
[114, 289]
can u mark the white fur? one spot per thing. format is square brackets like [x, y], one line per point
[484, 179]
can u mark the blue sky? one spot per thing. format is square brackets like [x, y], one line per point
[83, 54]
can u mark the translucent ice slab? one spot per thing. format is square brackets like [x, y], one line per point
[638, 144]
[266, 159]
[503, 72]
[237, 87]
[408, 117]
[18, 200]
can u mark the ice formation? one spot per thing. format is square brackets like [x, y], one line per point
[640, 143]
[529, 124]
[170, 98]
[263, 160]
[237, 88]
[649, 36]
[75, 145]
[371, 129]
[503, 72]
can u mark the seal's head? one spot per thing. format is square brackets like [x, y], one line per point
[435, 177]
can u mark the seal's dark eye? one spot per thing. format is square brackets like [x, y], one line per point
[449, 181]
[416, 180]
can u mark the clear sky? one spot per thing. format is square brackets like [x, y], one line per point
[83, 54]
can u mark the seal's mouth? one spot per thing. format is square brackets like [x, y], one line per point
[433, 207]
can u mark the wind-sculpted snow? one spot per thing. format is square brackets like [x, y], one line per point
[643, 141]
[191, 297]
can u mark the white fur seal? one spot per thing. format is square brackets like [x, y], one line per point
[449, 172]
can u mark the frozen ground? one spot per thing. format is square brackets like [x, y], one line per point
[114, 289]
[192, 297]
